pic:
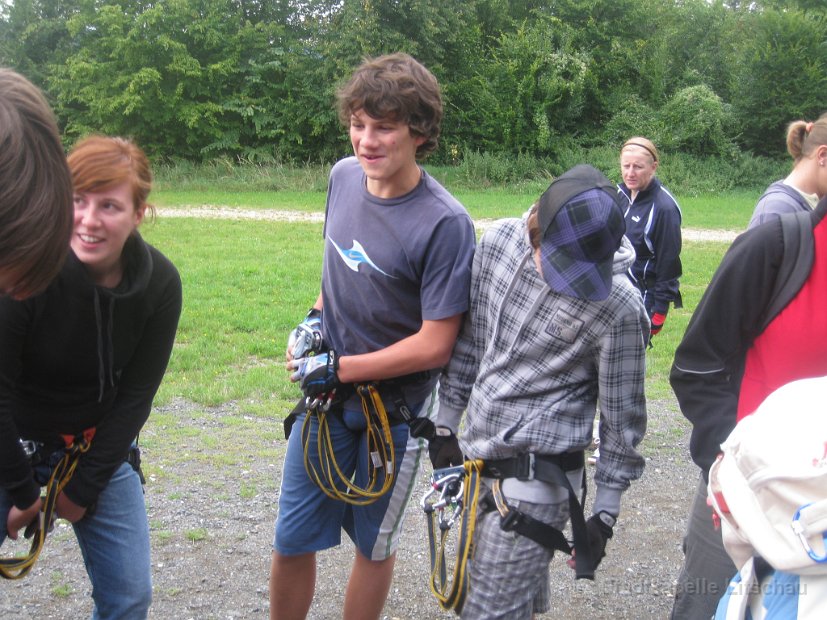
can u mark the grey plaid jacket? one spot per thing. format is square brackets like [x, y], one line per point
[531, 366]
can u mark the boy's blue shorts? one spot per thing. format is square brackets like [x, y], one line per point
[309, 521]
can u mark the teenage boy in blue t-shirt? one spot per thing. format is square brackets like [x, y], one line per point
[395, 286]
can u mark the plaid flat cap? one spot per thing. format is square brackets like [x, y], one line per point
[582, 222]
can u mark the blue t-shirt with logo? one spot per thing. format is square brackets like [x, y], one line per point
[391, 263]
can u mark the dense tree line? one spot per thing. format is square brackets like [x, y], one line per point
[254, 79]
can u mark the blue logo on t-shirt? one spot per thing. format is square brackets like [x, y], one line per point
[356, 256]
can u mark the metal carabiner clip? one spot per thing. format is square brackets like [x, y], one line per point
[799, 530]
[449, 484]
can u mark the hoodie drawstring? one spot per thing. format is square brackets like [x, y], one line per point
[110, 351]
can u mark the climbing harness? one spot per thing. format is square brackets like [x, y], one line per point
[15, 568]
[325, 471]
[551, 469]
[452, 499]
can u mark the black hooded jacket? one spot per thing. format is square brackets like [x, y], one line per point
[80, 356]
[762, 271]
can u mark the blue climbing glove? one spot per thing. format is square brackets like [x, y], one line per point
[316, 373]
[306, 339]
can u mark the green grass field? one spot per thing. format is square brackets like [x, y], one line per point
[729, 211]
[247, 283]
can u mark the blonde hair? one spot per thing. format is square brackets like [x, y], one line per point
[645, 144]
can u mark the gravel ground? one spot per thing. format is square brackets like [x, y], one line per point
[212, 511]
[211, 542]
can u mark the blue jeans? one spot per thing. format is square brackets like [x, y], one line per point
[114, 541]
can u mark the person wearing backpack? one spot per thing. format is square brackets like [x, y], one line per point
[807, 182]
[757, 327]
[769, 489]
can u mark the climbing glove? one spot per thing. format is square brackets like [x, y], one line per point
[306, 339]
[317, 373]
[443, 449]
[599, 529]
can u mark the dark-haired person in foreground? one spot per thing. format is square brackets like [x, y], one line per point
[35, 190]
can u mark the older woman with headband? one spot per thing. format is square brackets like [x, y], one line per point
[83, 361]
[807, 183]
[653, 225]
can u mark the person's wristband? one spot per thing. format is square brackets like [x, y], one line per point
[607, 519]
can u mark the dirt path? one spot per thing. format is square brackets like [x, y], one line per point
[220, 212]
[211, 538]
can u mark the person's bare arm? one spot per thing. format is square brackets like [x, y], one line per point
[428, 348]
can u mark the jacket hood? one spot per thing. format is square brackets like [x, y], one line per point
[624, 257]
[136, 277]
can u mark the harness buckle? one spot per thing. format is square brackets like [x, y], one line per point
[511, 520]
[525, 467]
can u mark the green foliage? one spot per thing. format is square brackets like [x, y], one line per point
[696, 121]
[490, 169]
[700, 45]
[634, 117]
[235, 175]
[695, 176]
[255, 82]
[223, 181]
[780, 75]
[527, 94]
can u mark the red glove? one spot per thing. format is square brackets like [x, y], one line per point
[658, 320]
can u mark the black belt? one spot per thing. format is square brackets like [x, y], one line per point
[38, 452]
[532, 466]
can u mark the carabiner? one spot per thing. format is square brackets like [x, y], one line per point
[799, 530]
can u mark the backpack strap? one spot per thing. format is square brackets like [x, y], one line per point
[797, 235]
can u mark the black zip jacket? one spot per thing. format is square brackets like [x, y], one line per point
[761, 272]
[653, 225]
[80, 356]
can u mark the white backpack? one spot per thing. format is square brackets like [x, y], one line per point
[772, 478]
[770, 489]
